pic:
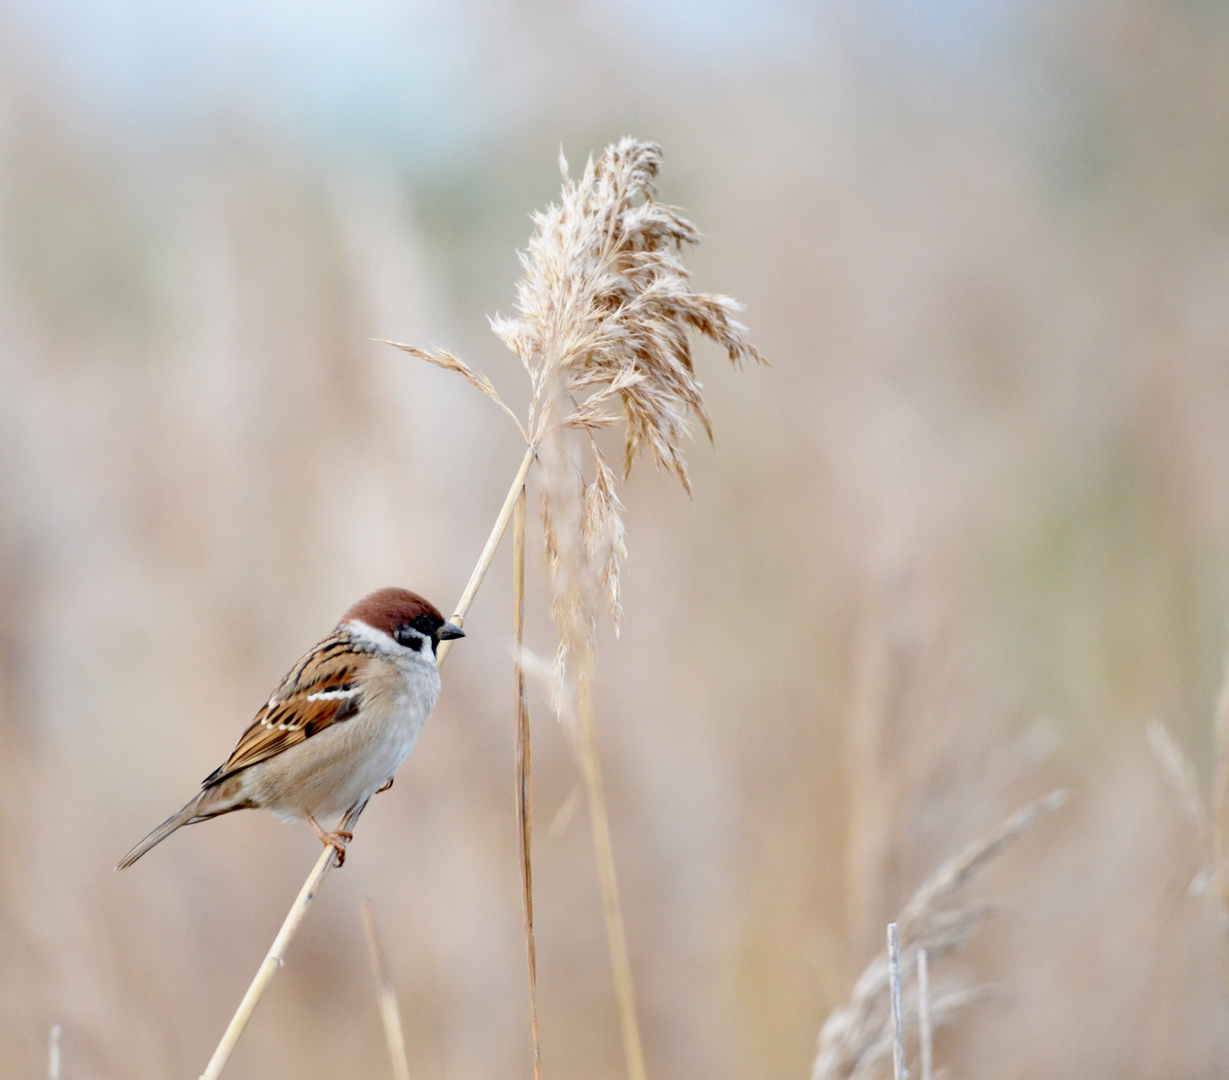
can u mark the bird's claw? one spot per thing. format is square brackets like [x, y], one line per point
[336, 840]
[387, 784]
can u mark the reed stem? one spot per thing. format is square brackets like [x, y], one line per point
[268, 968]
[386, 994]
[488, 552]
[616, 936]
[924, 1028]
[524, 792]
[53, 1054]
[899, 1072]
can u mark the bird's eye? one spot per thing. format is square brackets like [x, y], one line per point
[426, 625]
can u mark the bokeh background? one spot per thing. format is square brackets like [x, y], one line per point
[964, 539]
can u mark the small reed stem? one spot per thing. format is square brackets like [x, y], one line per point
[386, 993]
[53, 1053]
[898, 1012]
[925, 1031]
[616, 936]
[488, 552]
[268, 968]
[1220, 813]
[524, 792]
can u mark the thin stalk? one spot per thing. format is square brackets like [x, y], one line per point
[616, 937]
[274, 958]
[898, 1013]
[1220, 810]
[386, 993]
[272, 961]
[488, 552]
[53, 1053]
[925, 1031]
[524, 792]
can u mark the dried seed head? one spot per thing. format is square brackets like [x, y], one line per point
[605, 313]
[605, 307]
[604, 317]
[856, 1039]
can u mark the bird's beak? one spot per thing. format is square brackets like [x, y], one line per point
[449, 630]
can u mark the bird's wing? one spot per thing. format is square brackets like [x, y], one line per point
[324, 688]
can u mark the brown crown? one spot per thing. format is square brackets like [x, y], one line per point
[386, 609]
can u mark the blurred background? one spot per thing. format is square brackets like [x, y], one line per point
[958, 545]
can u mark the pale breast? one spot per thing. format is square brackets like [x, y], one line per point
[345, 764]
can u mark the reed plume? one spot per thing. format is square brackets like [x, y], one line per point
[1218, 827]
[603, 324]
[856, 1040]
[1208, 818]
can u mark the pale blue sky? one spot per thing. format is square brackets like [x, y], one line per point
[383, 76]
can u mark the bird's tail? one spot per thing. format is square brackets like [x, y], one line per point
[193, 810]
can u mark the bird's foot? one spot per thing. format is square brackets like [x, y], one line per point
[336, 840]
[387, 784]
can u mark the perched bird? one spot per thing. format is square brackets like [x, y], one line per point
[337, 727]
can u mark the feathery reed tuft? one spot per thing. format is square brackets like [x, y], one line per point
[606, 309]
[605, 313]
[1219, 824]
[856, 1039]
[1209, 819]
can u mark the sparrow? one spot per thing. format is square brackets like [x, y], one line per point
[337, 727]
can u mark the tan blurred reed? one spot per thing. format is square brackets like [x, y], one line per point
[1208, 819]
[858, 1036]
[386, 995]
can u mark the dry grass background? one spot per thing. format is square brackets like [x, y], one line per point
[961, 543]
